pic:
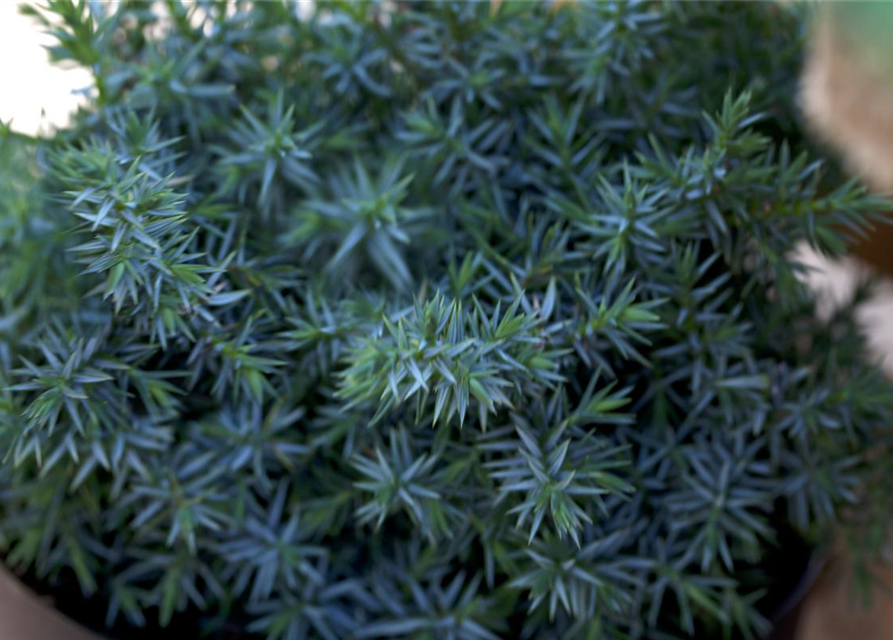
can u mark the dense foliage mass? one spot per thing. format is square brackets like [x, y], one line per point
[438, 321]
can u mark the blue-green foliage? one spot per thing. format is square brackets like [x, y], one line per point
[440, 321]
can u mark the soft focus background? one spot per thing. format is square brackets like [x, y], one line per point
[35, 94]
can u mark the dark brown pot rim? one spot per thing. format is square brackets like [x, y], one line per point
[786, 619]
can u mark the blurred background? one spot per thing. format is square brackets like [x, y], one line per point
[36, 95]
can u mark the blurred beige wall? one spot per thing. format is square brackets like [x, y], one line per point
[34, 94]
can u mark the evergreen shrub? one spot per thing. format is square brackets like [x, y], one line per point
[429, 320]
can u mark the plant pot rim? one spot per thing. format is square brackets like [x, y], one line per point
[23, 616]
